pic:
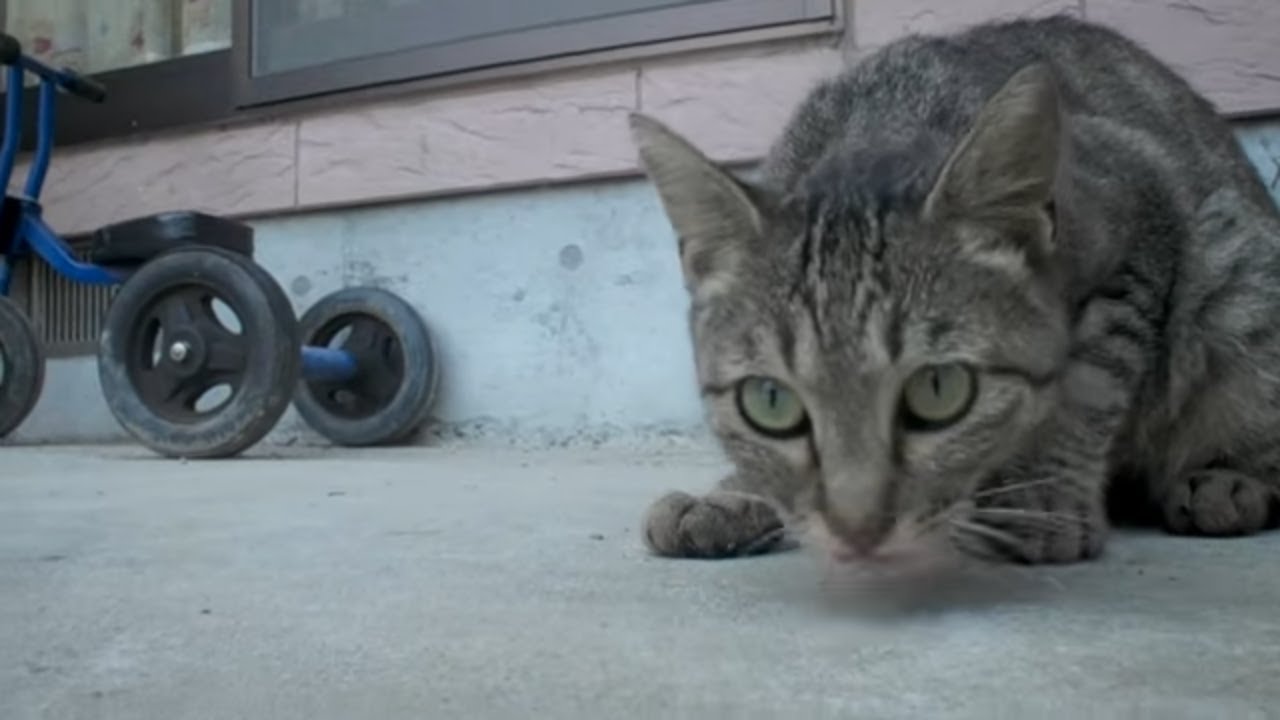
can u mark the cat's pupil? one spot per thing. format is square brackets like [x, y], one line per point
[773, 396]
[935, 378]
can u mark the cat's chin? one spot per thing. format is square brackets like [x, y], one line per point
[904, 563]
[907, 557]
[891, 583]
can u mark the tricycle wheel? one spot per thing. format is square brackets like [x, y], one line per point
[21, 366]
[395, 385]
[199, 353]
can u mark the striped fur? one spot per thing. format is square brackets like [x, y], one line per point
[1041, 201]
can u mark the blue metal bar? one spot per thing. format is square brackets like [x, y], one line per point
[44, 139]
[15, 78]
[49, 246]
[12, 123]
[322, 364]
[45, 72]
[67, 79]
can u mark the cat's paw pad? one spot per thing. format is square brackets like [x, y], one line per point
[718, 525]
[1217, 502]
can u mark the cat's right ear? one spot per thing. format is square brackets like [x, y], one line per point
[1007, 165]
[711, 212]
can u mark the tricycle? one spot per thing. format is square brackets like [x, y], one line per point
[200, 352]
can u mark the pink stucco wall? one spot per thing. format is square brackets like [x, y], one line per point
[572, 126]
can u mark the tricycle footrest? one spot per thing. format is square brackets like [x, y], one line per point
[134, 242]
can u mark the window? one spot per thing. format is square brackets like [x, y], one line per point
[170, 63]
[165, 63]
[100, 36]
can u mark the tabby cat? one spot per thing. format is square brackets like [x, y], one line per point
[981, 284]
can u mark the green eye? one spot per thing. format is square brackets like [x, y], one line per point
[771, 408]
[937, 396]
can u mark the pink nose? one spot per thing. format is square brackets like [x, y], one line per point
[861, 539]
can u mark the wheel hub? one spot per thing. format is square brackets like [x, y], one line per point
[184, 352]
[378, 354]
[178, 351]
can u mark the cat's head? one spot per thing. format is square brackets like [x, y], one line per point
[873, 342]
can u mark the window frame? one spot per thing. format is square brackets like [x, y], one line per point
[181, 92]
[215, 88]
[573, 43]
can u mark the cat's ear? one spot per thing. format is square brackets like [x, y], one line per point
[1005, 167]
[712, 213]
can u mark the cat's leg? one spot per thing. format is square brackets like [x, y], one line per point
[1225, 339]
[1048, 505]
[726, 522]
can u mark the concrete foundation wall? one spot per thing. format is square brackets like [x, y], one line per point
[559, 313]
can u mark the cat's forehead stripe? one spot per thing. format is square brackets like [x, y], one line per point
[893, 333]
[877, 346]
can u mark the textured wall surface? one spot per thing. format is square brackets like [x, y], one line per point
[559, 313]
[1229, 49]
[468, 140]
[877, 22]
[572, 126]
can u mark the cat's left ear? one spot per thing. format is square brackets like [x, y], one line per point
[712, 213]
[1005, 167]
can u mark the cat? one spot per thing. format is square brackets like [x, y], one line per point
[981, 283]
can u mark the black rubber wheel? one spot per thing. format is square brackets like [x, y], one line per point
[392, 394]
[199, 353]
[21, 367]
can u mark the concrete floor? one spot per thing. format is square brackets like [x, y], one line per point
[490, 584]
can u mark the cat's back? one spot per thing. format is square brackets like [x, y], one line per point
[924, 92]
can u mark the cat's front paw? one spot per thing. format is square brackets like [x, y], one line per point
[1042, 524]
[1217, 502]
[717, 525]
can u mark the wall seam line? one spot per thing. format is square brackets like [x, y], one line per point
[297, 163]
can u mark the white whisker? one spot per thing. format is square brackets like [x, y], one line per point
[1013, 487]
[1045, 518]
[985, 531]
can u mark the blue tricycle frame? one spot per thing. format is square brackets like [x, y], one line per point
[33, 233]
[322, 368]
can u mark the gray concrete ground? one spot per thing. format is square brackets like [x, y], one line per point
[488, 584]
